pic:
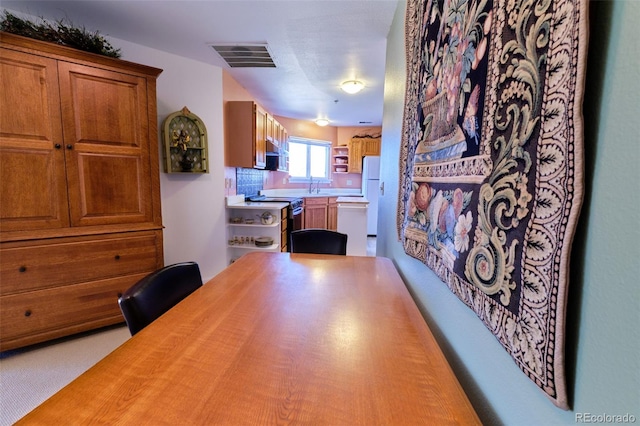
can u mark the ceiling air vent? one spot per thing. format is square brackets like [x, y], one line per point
[245, 55]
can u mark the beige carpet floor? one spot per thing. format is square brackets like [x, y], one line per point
[30, 376]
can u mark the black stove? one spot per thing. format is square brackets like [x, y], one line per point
[294, 211]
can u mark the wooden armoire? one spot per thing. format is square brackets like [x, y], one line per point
[80, 217]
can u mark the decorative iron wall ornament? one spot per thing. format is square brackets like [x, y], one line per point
[185, 143]
[491, 164]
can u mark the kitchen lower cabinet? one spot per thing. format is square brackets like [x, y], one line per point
[284, 229]
[332, 213]
[315, 212]
[80, 218]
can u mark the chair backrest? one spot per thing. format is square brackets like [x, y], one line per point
[321, 241]
[158, 292]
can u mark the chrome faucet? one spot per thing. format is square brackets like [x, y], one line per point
[311, 186]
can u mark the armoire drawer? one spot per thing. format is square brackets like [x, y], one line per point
[57, 309]
[49, 263]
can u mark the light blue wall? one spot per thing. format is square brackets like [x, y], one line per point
[603, 320]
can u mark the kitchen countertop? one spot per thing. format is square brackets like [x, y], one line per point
[324, 192]
[238, 202]
[258, 204]
[352, 200]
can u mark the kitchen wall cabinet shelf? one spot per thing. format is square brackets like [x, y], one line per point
[340, 163]
[184, 137]
[81, 216]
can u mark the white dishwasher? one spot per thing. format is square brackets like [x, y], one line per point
[352, 220]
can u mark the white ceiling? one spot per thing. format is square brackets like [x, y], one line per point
[316, 44]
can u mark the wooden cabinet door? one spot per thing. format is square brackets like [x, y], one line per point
[283, 163]
[32, 163]
[270, 132]
[370, 146]
[315, 212]
[332, 214]
[315, 217]
[106, 138]
[355, 156]
[261, 138]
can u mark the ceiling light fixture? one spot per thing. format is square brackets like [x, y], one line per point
[352, 86]
[322, 122]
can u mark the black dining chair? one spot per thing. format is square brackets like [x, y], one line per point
[158, 292]
[320, 241]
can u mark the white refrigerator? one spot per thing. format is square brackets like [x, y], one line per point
[370, 190]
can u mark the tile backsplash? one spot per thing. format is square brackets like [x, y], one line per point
[249, 181]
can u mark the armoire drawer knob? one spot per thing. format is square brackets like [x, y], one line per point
[23, 269]
[27, 313]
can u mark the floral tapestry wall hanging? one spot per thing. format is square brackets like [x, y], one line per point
[491, 164]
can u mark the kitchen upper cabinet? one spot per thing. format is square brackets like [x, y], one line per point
[370, 146]
[283, 163]
[272, 130]
[361, 147]
[261, 138]
[355, 156]
[245, 135]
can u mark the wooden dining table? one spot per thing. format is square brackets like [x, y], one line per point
[276, 338]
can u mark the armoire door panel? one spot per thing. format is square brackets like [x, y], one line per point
[109, 189]
[33, 190]
[29, 114]
[32, 164]
[106, 133]
[103, 107]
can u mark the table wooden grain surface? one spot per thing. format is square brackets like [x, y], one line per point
[276, 338]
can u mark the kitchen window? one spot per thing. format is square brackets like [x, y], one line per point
[308, 158]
